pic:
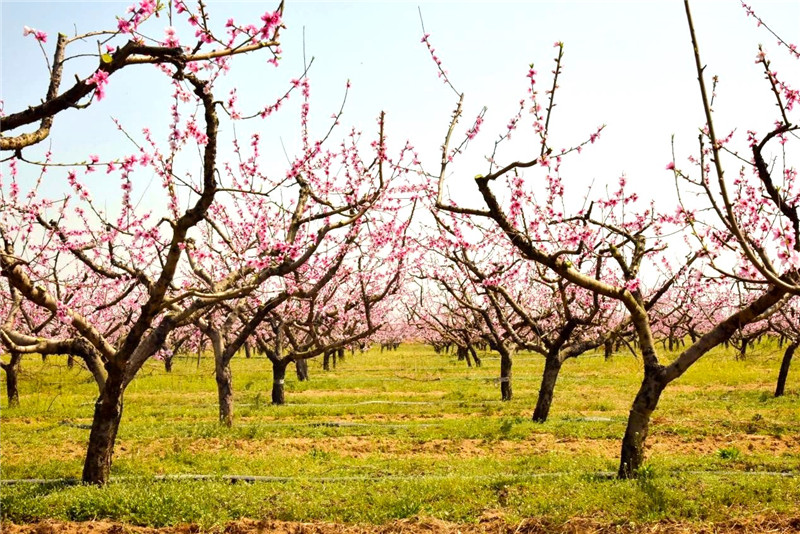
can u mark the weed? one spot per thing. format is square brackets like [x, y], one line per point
[729, 453]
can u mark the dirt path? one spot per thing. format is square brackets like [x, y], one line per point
[488, 525]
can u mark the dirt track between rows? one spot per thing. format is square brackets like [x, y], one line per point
[489, 524]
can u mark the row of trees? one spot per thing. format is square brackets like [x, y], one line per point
[611, 252]
[322, 255]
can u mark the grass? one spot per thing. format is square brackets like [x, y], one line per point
[400, 434]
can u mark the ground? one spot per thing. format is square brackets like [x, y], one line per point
[409, 441]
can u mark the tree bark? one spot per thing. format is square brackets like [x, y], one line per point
[278, 378]
[301, 367]
[646, 401]
[224, 377]
[12, 374]
[784, 372]
[552, 366]
[505, 376]
[247, 351]
[105, 424]
[341, 354]
[326, 361]
[70, 361]
[168, 364]
[608, 349]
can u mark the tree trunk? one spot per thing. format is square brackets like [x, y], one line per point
[278, 378]
[168, 364]
[301, 367]
[105, 424]
[784, 372]
[463, 354]
[474, 356]
[646, 401]
[70, 361]
[505, 376]
[247, 351]
[341, 354]
[224, 377]
[326, 361]
[12, 374]
[552, 366]
[608, 349]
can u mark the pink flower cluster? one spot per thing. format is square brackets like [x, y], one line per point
[99, 79]
[37, 34]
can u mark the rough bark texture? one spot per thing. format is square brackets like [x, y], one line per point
[107, 415]
[552, 366]
[326, 361]
[278, 378]
[784, 372]
[505, 376]
[224, 377]
[646, 401]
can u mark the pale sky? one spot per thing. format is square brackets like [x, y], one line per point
[627, 64]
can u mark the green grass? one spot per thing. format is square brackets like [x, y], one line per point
[400, 434]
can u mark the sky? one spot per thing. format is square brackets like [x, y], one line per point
[627, 64]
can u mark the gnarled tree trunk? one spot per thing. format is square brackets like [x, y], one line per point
[105, 424]
[552, 366]
[646, 401]
[224, 378]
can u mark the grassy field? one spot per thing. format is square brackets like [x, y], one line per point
[405, 434]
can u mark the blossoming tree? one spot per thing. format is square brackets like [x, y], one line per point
[756, 221]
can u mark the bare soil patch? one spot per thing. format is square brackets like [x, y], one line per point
[364, 446]
[488, 524]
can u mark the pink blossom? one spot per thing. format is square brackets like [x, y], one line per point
[124, 26]
[38, 35]
[99, 79]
